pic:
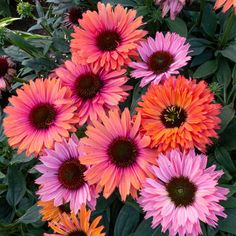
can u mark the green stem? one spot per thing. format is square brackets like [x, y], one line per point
[224, 39]
[202, 6]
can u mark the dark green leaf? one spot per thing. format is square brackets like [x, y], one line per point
[227, 138]
[226, 115]
[230, 52]
[16, 185]
[228, 224]
[20, 158]
[178, 26]
[128, 3]
[223, 157]
[206, 69]
[127, 221]
[229, 203]
[198, 45]
[224, 73]
[32, 215]
[145, 229]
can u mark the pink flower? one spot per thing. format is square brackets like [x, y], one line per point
[183, 193]
[161, 57]
[94, 91]
[62, 177]
[174, 6]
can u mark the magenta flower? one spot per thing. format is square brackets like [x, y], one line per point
[161, 57]
[183, 193]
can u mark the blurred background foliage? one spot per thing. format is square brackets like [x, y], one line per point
[34, 36]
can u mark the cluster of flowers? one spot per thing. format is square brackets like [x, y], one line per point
[151, 151]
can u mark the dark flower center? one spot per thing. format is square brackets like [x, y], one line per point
[71, 174]
[3, 66]
[123, 152]
[64, 208]
[173, 116]
[77, 233]
[160, 61]
[181, 191]
[75, 13]
[108, 40]
[43, 116]
[88, 85]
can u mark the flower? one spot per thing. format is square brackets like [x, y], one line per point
[94, 91]
[119, 156]
[71, 18]
[179, 114]
[62, 177]
[51, 212]
[162, 57]
[107, 38]
[226, 5]
[174, 6]
[7, 71]
[73, 226]
[41, 114]
[183, 193]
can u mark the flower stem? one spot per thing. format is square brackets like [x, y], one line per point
[16, 79]
[224, 39]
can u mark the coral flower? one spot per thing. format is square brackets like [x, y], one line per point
[226, 5]
[162, 57]
[72, 226]
[94, 91]
[7, 71]
[41, 114]
[51, 212]
[119, 156]
[62, 177]
[174, 6]
[183, 193]
[107, 38]
[179, 114]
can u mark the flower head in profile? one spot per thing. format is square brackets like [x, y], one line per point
[94, 91]
[179, 114]
[71, 225]
[107, 38]
[226, 4]
[172, 6]
[183, 193]
[50, 212]
[71, 18]
[62, 178]
[161, 57]
[7, 71]
[118, 154]
[42, 113]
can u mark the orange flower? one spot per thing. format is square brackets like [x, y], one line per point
[71, 225]
[179, 114]
[226, 5]
[50, 212]
[107, 38]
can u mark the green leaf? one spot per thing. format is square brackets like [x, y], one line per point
[7, 21]
[127, 3]
[145, 229]
[16, 185]
[224, 73]
[228, 224]
[178, 26]
[223, 157]
[127, 221]
[206, 69]
[21, 158]
[229, 203]
[209, 20]
[32, 215]
[198, 45]
[226, 115]
[230, 52]
[227, 138]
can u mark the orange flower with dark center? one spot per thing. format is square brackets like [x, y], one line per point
[179, 114]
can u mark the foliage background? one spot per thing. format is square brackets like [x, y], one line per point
[38, 43]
